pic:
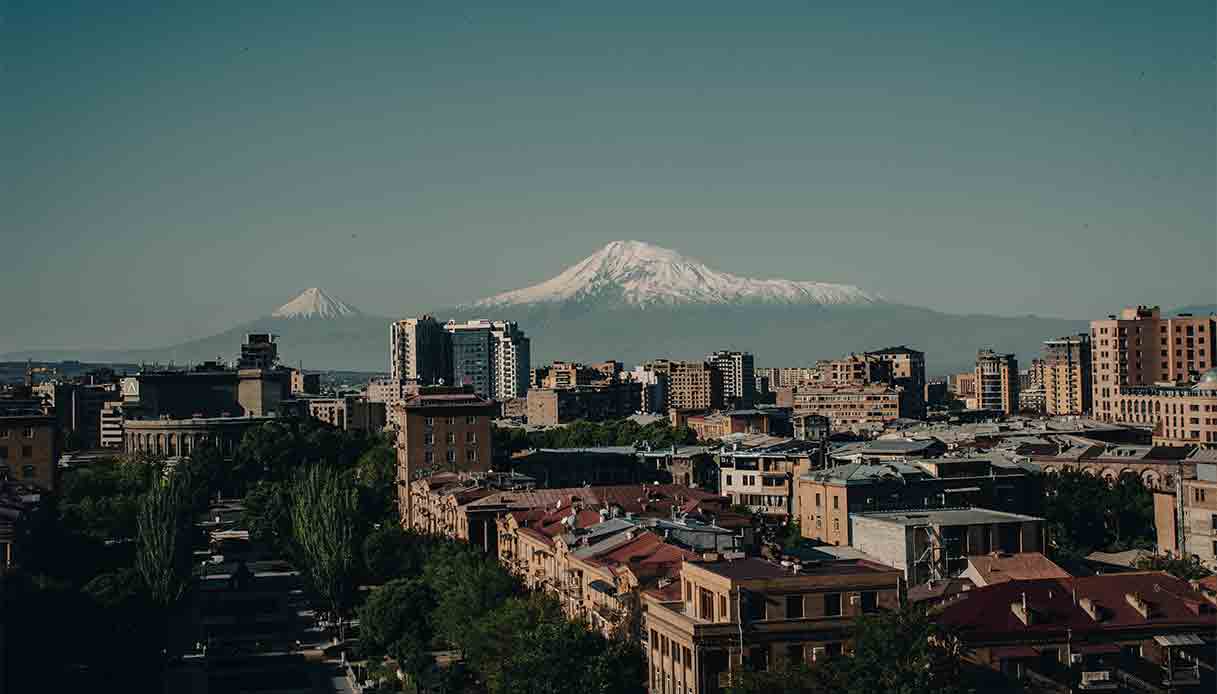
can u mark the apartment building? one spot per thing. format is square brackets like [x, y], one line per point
[827, 498]
[349, 412]
[847, 407]
[419, 351]
[1139, 347]
[761, 471]
[1135, 631]
[1178, 415]
[906, 368]
[1066, 376]
[725, 616]
[29, 450]
[305, 383]
[855, 370]
[111, 424]
[493, 357]
[441, 429]
[716, 425]
[614, 400]
[563, 374]
[693, 385]
[738, 373]
[997, 382]
[654, 386]
[1186, 517]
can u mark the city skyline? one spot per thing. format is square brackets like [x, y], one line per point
[1055, 161]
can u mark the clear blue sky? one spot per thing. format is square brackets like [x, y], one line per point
[171, 168]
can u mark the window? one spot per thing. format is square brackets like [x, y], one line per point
[27, 451]
[471, 437]
[836, 525]
[452, 421]
[654, 640]
[428, 457]
[28, 433]
[451, 455]
[27, 471]
[817, 500]
[470, 419]
[722, 606]
[3, 433]
[429, 421]
[3, 452]
[728, 480]
[1215, 521]
[757, 658]
[451, 438]
[836, 502]
[429, 439]
[794, 607]
[688, 656]
[870, 601]
[832, 605]
[688, 592]
[471, 454]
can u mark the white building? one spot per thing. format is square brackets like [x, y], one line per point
[419, 351]
[508, 360]
[739, 375]
[112, 425]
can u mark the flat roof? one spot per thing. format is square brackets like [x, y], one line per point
[753, 568]
[946, 516]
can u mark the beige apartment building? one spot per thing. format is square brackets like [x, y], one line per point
[1065, 375]
[906, 368]
[996, 381]
[1191, 531]
[847, 407]
[1139, 348]
[855, 370]
[721, 617]
[694, 385]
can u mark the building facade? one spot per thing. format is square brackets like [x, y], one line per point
[997, 382]
[419, 351]
[1186, 517]
[907, 370]
[846, 407]
[1178, 415]
[29, 450]
[591, 403]
[694, 385]
[738, 373]
[505, 365]
[1139, 348]
[1066, 375]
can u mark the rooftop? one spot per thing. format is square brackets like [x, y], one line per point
[998, 568]
[754, 568]
[949, 516]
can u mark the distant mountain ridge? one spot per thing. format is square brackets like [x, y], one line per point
[633, 301]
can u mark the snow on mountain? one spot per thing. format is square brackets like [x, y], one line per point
[640, 273]
[315, 303]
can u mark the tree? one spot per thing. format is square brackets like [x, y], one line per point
[268, 515]
[1085, 513]
[468, 585]
[500, 632]
[163, 546]
[1187, 569]
[376, 473]
[786, 678]
[390, 552]
[560, 657]
[396, 621]
[326, 533]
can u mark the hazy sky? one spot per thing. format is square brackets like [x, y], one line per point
[171, 168]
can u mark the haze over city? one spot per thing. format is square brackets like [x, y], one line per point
[173, 171]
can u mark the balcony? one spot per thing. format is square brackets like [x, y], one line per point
[1098, 681]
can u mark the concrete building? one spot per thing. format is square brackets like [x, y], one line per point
[441, 429]
[419, 351]
[853, 408]
[737, 370]
[827, 498]
[963, 385]
[716, 425]
[694, 385]
[935, 544]
[723, 616]
[563, 374]
[654, 388]
[907, 370]
[591, 403]
[1066, 375]
[177, 438]
[1178, 415]
[78, 407]
[997, 381]
[1186, 517]
[855, 370]
[389, 391]
[29, 450]
[207, 390]
[1140, 348]
[573, 467]
[494, 357]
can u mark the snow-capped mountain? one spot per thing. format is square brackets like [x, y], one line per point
[315, 303]
[641, 274]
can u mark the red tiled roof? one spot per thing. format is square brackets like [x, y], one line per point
[985, 613]
[998, 568]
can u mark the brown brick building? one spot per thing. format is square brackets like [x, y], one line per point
[29, 449]
[441, 430]
[551, 406]
[847, 407]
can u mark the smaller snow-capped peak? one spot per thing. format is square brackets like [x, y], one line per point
[641, 273]
[315, 303]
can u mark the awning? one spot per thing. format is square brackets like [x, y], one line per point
[960, 490]
[1096, 648]
[1179, 640]
[1008, 652]
[602, 587]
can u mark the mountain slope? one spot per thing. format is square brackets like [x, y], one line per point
[315, 303]
[641, 274]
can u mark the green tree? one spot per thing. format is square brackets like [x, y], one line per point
[1188, 569]
[163, 545]
[560, 657]
[396, 621]
[468, 585]
[501, 632]
[376, 473]
[900, 652]
[1086, 513]
[785, 678]
[326, 533]
[390, 552]
[268, 515]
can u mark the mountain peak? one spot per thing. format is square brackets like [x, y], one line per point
[315, 303]
[641, 273]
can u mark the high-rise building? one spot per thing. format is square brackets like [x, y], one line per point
[907, 370]
[1140, 348]
[997, 381]
[419, 351]
[503, 373]
[738, 373]
[1066, 375]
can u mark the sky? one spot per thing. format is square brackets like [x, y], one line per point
[170, 169]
